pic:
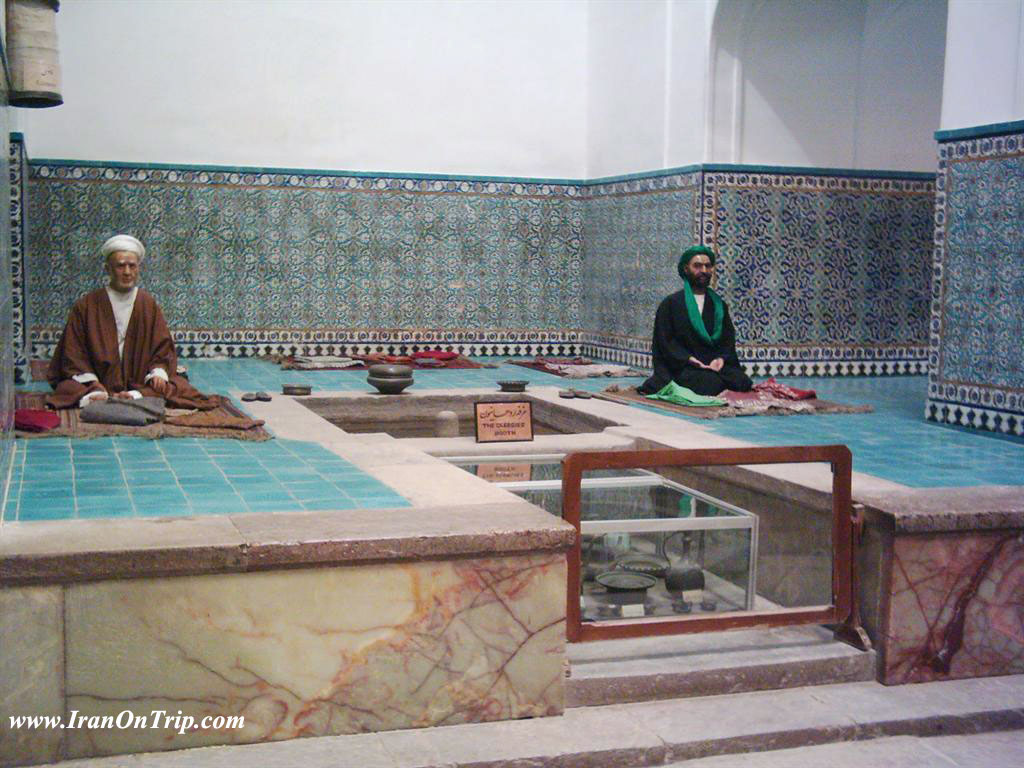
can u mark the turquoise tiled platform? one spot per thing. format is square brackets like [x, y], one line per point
[894, 442]
[55, 479]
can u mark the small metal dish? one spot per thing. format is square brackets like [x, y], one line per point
[625, 581]
[296, 389]
[652, 565]
[518, 385]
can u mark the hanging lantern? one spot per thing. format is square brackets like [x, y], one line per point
[32, 53]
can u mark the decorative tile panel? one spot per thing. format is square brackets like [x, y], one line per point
[242, 261]
[632, 236]
[834, 263]
[251, 261]
[977, 320]
[799, 255]
[19, 333]
[8, 314]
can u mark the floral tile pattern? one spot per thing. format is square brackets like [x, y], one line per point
[255, 261]
[976, 357]
[811, 260]
[825, 274]
[632, 240]
[273, 253]
[19, 328]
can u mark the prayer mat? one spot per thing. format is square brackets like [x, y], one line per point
[577, 367]
[362, 362]
[223, 421]
[740, 404]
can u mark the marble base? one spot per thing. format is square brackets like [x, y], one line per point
[942, 582]
[956, 607]
[310, 652]
[31, 672]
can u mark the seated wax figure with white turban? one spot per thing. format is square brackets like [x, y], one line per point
[694, 342]
[116, 342]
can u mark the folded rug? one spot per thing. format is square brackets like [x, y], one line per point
[740, 404]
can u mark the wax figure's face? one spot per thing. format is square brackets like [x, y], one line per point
[123, 268]
[699, 271]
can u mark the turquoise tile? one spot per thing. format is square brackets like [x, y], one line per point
[381, 502]
[108, 511]
[272, 505]
[45, 513]
[147, 496]
[321, 505]
[156, 511]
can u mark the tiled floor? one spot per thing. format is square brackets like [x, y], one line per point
[129, 477]
[894, 442]
[132, 477]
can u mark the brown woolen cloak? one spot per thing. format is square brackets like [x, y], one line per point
[89, 345]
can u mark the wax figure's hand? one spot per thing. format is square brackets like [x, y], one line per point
[696, 362]
[716, 364]
[158, 385]
[123, 395]
[99, 394]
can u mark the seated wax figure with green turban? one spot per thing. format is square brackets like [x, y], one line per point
[694, 341]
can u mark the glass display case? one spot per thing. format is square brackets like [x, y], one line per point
[650, 547]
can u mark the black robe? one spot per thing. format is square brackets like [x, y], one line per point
[675, 340]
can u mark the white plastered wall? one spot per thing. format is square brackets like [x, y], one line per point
[984, 63]
[646, 88]
[541, 88]
[834, 83]
[471, 87]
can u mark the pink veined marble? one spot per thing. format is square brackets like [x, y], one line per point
[956, 607]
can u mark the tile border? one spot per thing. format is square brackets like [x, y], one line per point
[194, 343]
[18, 224]
[960, 403]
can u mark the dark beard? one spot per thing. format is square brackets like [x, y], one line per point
[699, 281]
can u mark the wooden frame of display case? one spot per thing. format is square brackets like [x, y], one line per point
[843, 612]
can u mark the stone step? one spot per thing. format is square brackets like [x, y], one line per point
[708, 664]
[977, 750]
[652, 733]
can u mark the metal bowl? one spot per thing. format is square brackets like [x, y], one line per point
[625, 581]
[652, 565]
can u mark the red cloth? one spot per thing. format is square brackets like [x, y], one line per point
[434, 354]
[35, 420]
[784, 391]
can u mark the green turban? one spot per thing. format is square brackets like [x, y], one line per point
[692, 251]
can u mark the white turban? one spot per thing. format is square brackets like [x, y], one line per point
[122, 243]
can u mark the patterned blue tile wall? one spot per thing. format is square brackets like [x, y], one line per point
[246, 261]
[632, 234]
[18, 167]
[825, 272]
[7, 330]
[977, 321]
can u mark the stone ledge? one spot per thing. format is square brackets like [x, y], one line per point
[938, 510]
[95, 550]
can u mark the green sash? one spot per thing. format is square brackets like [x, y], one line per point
[698, 322]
